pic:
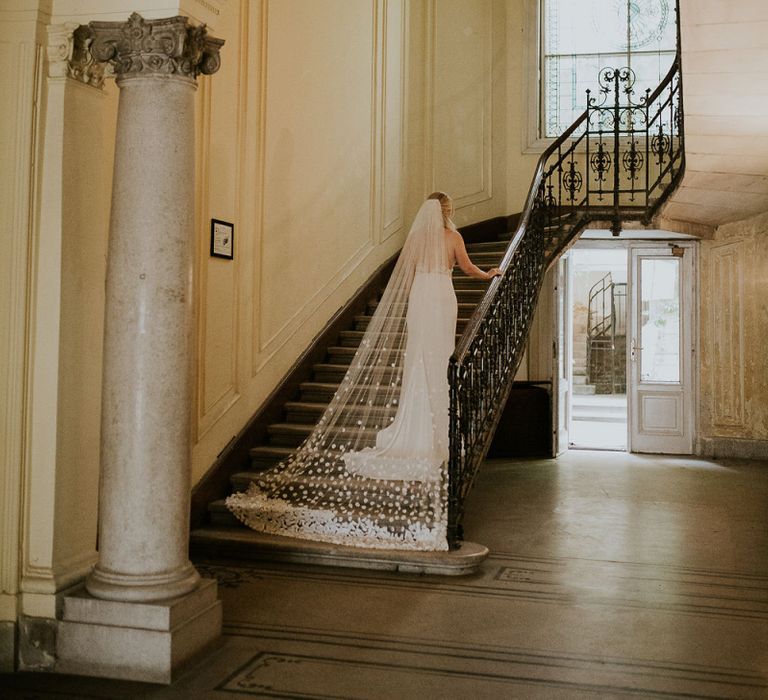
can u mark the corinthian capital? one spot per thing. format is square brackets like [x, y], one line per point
[69, 54]
[169, 46]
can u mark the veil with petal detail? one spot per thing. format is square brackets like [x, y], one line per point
[372, 472]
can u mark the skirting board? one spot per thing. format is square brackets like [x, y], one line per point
[739, 448]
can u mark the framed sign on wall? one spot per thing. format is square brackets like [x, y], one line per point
[222, 239]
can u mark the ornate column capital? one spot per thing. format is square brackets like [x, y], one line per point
[160, 47]
[69, 54]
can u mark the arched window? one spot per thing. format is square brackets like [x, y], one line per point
[579, 37]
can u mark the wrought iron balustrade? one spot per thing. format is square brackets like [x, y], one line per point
[619, 161]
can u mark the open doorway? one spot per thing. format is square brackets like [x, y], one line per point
[624, 322]
[599, 349]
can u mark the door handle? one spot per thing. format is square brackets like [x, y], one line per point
[635, 350]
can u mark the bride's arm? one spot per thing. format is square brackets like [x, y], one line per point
[466, 265]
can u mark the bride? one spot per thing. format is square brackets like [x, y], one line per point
[415, 444]
[372, 472]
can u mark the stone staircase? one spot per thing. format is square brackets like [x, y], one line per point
[300, 414]
[579, 383]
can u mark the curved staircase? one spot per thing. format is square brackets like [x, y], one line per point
[224, 535]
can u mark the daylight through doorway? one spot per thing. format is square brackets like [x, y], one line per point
[598, 414]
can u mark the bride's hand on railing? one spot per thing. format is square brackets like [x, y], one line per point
[493, 272]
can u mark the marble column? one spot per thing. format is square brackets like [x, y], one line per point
[145, 609]
[146, 397]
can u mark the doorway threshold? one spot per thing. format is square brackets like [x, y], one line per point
[596, 449]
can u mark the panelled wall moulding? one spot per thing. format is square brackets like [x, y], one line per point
[449, 113]
[268, 341]
[259, 125]
[727, 335]
[213, 402]
[394, 61]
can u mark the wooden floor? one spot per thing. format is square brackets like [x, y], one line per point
[610, 575]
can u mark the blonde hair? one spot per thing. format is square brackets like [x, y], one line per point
[446, 204]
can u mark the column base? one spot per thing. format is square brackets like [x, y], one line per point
[148, 641]
[141, 588]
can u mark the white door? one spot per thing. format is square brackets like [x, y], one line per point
[561, 355]
[660, 357]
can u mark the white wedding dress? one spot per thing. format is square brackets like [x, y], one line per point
[415, 445]
[372, 472]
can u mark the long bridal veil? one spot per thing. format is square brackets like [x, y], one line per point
[372, 472]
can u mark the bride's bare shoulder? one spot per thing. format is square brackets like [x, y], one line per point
[454, 236]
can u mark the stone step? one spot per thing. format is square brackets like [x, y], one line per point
[353, 338]
[340, 354]
[600, 407]
[471, 296]
[463, 282]
[288, 434]
[305, 412]
[362, 321]
[584, 389]
[465, 309]
[600, 419]
[318, 392]
[322, 393]
[486, 258]
[245, 544]
[326, 372]
[220, 516]
[293, 434]
[266, 456]
[498, 247]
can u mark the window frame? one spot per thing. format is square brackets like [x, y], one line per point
[534, 138]
[533, 94]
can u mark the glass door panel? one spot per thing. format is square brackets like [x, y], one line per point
[660, 319]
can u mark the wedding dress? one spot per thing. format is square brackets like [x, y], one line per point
[373, 471]
[415, 445]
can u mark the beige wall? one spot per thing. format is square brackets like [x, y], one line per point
[326, 126]
[734, 325]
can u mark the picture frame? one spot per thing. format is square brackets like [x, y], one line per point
[222, 239]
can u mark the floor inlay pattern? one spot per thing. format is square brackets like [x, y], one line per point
[610, 576]
[564, 581]
[310, 660]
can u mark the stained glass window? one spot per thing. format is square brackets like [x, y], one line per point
[582, 36]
